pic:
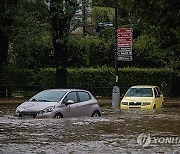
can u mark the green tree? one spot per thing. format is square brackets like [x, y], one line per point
[31, 45]
[100, 15]
[153, 20]
[161, 21]
[61, 13]
[7, 10]
[104, 3]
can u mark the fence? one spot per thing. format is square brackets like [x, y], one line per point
[19, 90]
[30, 90]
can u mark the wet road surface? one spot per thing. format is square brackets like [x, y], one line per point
[115, 132]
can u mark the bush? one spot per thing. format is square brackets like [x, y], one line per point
[45, 77]
[148, 76]
[12, 76]
[90, 77]
[94, 79]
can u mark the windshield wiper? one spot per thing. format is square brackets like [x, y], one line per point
[44, 100]
[34, 100]
[40, 100]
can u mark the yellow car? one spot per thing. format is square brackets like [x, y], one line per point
[142, 96]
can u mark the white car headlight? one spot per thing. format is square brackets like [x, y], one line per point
[17, 112]
[48, 109]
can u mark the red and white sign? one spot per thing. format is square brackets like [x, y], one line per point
[124, 37]
[124, 44]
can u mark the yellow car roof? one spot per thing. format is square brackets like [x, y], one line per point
[143, 86]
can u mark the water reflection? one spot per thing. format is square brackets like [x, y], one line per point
[115, 132]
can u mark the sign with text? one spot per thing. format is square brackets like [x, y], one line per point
[124, 44]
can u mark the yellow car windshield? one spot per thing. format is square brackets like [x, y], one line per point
[139, 92]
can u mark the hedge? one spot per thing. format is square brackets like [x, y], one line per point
[88, 78]
[104, 77]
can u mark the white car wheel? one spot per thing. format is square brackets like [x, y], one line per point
[58, 116]
[96, 114]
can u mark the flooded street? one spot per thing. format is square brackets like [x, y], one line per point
[115, 132]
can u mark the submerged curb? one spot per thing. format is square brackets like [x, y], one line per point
[168, 102]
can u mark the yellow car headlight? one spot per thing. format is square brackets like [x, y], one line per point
[124, 103]
[145, 103]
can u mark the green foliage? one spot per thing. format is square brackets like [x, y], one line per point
[7, 11]
[156, 34]
[161, 20]
[104, 77]
[77, 52]
[107, 34]
[45, 77]
[148, 76]
[156, 21]
[98, 53]
[31, 43]
[103, 3]
[14, 76]
[32, 46]
[100, 14]
[99, 77]
[146, 53]
[61, 14]
[88, 78]
[90, 51]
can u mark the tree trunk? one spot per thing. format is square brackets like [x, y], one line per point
[3, 48]
[60, 51]
[62, 13]
[61, 65]
[3, 58]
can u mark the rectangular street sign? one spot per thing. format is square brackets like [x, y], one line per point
[124, 44]
[127, 58]
[124, 53]
[125, 48]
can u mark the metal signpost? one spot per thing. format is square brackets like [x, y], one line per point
[123, 52]
[116, 89]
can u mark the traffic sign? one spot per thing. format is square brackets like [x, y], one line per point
[126, 58]
[124, 44]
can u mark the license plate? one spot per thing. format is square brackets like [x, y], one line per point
[27, 116]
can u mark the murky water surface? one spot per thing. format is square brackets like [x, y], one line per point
[115, 132]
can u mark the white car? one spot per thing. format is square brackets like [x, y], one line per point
[108, 24]
[60, 103]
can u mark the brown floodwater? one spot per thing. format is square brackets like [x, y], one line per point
[115, 132]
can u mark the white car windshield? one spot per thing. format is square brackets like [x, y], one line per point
[139, 92]
[48, 96]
